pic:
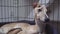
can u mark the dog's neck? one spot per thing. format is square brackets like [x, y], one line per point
[36, 19]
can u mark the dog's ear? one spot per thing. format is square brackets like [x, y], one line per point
[34, 4]
[14, 31]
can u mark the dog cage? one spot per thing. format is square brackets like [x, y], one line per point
[14, 10]
[17, 10]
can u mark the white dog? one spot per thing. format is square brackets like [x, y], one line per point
[40, 15]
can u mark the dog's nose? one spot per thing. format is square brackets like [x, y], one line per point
[47, 19]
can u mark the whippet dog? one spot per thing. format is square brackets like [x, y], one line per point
[40, 15]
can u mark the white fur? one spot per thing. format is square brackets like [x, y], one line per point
[42, 14]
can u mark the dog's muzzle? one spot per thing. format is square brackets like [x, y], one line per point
[47, 20]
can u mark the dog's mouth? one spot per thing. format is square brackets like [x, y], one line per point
[42, 21]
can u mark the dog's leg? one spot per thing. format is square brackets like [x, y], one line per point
[14, 31]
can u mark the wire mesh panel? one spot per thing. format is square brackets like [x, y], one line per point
[8, 10]
[13, 10]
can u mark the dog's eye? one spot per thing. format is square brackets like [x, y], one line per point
[38, 6]
[39, 10]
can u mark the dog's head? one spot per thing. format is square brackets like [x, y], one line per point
[41, 12]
